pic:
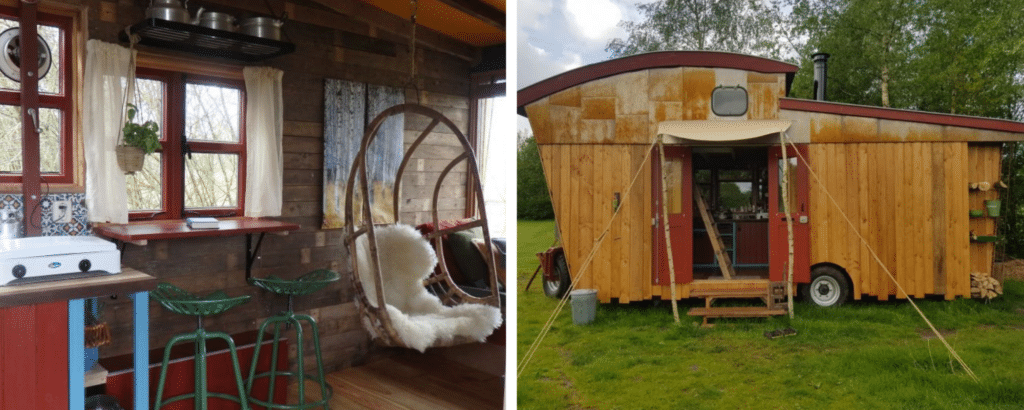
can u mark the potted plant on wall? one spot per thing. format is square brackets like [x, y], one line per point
[137, 141]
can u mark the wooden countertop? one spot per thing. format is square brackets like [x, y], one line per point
[128, 281]
[140, 232]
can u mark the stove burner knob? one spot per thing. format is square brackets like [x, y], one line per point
[19, 271]
[84, 265]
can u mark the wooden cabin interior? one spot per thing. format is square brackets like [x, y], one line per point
[451, 60]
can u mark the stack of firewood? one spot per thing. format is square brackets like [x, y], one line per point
[985, 286]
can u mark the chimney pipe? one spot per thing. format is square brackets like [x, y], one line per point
[820, 75]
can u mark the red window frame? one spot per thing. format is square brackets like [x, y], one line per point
[63, 100]
[172, 131]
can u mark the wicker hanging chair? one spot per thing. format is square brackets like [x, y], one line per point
[388, 322]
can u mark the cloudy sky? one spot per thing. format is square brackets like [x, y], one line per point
[560, 35]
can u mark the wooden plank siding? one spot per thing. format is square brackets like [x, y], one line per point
[908, 214]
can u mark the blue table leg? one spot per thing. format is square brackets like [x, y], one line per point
[140, 302]
[76, 354]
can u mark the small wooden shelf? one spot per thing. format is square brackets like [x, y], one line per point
[139, 233]
[206, 41]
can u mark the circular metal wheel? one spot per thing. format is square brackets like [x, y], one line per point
[828, 287]
[557, 288]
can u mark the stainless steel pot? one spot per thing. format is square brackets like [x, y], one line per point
[170, 10]
[215, 20]
[264, 27]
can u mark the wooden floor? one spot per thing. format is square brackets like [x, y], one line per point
[461, 377]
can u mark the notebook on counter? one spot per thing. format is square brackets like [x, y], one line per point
[202, 223]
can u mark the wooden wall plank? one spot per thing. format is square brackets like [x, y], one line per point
[852, 202]
[597, 216]
[636, 230]
[959, 218]
[901, 220]
[937, 282]
[648, 199]
[948, 156]
[585, 242]
[920, 177]
[575, 151]
[864, 185]
[614, 169]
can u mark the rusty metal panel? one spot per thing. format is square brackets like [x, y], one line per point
[630, 98]
[665, 84]
[569, 97]
[755, 77]
[565, 124]
[597, 131]
[604, 87]
[540, 121]
[697, 86]
[632, 128]
[826, 128]
[860, 128]
[906, 131]
[763, 100]
[598, 108]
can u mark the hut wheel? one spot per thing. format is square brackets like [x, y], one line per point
[828, 287]
[557, 288]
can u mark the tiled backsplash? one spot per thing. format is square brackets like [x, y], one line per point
[79, 224]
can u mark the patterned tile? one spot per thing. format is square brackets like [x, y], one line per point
[78, 226]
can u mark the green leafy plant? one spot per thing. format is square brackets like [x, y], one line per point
[145, 136]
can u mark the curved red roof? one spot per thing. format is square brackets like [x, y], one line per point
[661, 59]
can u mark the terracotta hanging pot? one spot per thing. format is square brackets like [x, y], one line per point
[130, 159]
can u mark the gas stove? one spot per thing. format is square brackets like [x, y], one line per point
[50, 258]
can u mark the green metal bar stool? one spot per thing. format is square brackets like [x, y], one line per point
[181, 302]
[304, 285]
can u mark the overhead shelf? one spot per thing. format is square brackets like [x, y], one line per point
[205, 41]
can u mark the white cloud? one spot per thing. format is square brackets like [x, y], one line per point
[596, 19]
[532, 13]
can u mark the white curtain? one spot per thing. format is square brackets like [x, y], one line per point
[107, 67]
[492, 148]
[264, 127]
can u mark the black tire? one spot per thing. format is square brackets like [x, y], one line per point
[829, 287]
[557, 288]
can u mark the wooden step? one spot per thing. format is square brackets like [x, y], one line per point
[742, 311]
[729, 293]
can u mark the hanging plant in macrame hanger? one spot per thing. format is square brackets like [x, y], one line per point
[136, 140]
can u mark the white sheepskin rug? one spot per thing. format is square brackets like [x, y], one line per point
[420, 319]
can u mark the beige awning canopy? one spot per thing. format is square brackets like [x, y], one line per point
[718, 130]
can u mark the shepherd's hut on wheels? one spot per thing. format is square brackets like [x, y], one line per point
[920, 188]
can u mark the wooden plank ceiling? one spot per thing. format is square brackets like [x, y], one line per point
[479, 23]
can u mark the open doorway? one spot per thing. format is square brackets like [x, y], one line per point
[734, 184]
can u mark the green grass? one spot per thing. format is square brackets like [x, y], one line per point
[863, 355]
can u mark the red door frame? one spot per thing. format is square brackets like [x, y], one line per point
[778, 245]
[680, 225]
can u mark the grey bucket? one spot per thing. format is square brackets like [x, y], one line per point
[584, 305]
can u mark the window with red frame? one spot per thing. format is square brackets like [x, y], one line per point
[55, 105]
[200, 167]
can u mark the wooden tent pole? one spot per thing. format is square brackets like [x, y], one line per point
[789, 225]
[668, 239]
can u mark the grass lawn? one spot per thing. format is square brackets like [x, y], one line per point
[863, 355]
